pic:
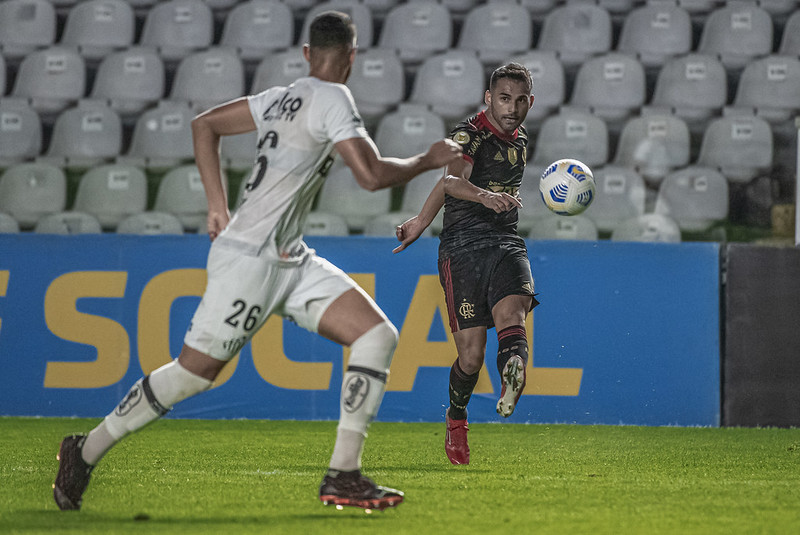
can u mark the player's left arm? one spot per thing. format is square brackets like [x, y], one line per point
[207, 128]
[457, 184]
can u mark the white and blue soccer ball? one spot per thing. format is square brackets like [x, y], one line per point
[567, 187]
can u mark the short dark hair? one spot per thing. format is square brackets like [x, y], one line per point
[332, 29]
[515, 71]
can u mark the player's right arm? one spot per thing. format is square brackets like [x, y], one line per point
[373, 171]
[413, 228]
[226, 119]
[456, 184]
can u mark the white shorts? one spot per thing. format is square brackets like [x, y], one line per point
[242, 291]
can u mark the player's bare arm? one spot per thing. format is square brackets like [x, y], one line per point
[373, 171]
[457, 184]
[207, 129]
[413, 228]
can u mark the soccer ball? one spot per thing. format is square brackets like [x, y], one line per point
[567, 187]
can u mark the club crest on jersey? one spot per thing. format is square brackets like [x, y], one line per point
[467, 310]
[355, 391]
[462, 138]
[512, 156]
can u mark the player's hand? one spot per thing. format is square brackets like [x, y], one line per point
[408, 233]
[442, 153]
[499, 202]
[217, 221]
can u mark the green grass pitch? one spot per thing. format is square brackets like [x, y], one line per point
[244, 476]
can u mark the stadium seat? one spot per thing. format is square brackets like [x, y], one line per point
[178, 27]
[207, 78]
[778, 8]
[2, 76]
[556, 227]
[341, 195]
[654, 145]
[238, 152]
[620, 196]
[694, 87]
[736, 33]
[258, 27]
[359, 13]
[496, 30]
[162, 137]
[451, 83]
[790, 40]
[740, 147]
[150, 223]
[68, 223]
[85, 135]
[377, 82]
[279, 69]
[111, 193]
[539, 8]
[695, 197]
[549, 84]
[533, 206]
[698, 8]
[416, 192]
[20, 132]
[408, 130]
[417, 30]
[51, 79]
[572, 134]
[31, 190]
[130, 80]
[648, 228]
[181, 194]
[25, 26]
[386, 224]
[324, 224]
[8, 225]
[770, 88]
[655, 33]
[576, 32]
[611, 86]
[98, 27]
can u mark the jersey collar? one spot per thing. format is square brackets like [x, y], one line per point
[484, 121]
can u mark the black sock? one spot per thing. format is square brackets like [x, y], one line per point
[511, 341]
[461, 387]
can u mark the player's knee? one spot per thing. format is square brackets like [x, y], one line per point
[172, 383]
[374, 348]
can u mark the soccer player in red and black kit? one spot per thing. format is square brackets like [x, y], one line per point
[483, 263]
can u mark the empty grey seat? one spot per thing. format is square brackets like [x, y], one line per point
[572, 134]
[29, 191]
[790, 39]
[695, 197]
[736, 33]
[162, 137]
[324, 224]
[51, 79]
[238, 152]
[150, 224]
[377, 81]
[20, 132]
[611, 86]
[417, 30]
[341, 195]
[648, 228]
[8, 225]
[178, 27]
[451, 83]
[130, 80]
[209, 77]
[620, 196]
[694, 87]
[111, 193]
[98, 27]
[408, 130]
[770, 88]
[279, 69]
[576, 32]
[740, 147]
[654, 145]
[68, 223]
[26, 25]
[258, 27]
[496, 30]
[557, 227]
[656, 33]
[85, 135]
[181, 194]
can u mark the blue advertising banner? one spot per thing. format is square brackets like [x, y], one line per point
[627, 333]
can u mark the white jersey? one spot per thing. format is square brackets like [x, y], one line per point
[297, 126]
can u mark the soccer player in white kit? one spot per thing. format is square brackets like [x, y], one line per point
[259, 265]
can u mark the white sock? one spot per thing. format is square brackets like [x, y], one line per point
[362, 391]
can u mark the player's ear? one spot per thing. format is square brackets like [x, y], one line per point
[487, 97]
[531, 106]
[307, 52]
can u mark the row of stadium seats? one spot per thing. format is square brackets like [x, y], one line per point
[113, 198]
[740, 145]
[735, 31]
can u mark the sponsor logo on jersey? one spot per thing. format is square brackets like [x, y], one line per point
[284, 108]
[498, 157]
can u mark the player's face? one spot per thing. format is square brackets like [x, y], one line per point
[508, 104]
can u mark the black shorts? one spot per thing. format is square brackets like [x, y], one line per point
[475, 280]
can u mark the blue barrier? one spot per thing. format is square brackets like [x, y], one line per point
[626, 333]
